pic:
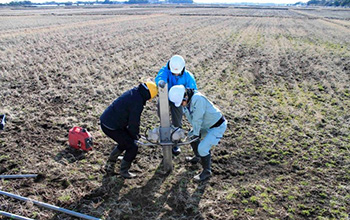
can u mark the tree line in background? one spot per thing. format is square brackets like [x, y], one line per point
[334, 3]
[337, 3]
[29, 3]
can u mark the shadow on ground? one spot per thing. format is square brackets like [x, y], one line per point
[159, 198]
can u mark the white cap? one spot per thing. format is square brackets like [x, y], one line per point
[176, 63]
[176, 94]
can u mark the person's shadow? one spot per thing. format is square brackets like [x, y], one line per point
[145, 202]
[97, 202]
[148, 202]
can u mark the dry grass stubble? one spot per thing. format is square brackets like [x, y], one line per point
[281, 81]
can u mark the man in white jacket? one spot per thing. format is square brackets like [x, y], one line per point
[207, 122]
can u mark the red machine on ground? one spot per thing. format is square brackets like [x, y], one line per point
[79, 138]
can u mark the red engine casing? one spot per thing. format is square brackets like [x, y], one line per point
[79, 138]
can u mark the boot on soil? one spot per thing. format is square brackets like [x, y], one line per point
[176, 151]
[124, 170]
[114, 155]
[195, 159]
[206, 173]
[109, 167]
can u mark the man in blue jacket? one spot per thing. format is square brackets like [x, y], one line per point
[175, 73]
[207, 122]
[121, 122]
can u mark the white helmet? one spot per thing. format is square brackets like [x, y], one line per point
[176, 64]
[176, 94]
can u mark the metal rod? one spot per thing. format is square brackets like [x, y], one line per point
[13, 216]
[187, 142]
[18, 176]
[164, 129]
[52, 207]
[165, 144]
[164, 107]
[146, 144]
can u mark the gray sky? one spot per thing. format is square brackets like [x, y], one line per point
[196, 1]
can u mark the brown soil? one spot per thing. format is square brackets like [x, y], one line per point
[280, 78]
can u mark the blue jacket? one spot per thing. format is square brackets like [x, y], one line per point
[186, 79]
[125, 111]
[201, 113]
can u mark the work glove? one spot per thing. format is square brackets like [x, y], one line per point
[190, 133]
[137, 137]
[191, 137]
[161, 83]
[194, 137]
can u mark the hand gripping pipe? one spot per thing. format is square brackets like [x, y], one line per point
[52, 207]
[13, 216]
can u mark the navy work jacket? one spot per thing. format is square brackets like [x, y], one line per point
[125, 111]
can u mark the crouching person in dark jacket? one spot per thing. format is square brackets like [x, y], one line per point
[121, 122]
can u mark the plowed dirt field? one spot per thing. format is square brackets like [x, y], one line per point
[279, 75]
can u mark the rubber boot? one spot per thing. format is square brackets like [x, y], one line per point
[114, 155]
[176, 150]
[110, 165]
[206, 173]
[124, 170]
[195, 159]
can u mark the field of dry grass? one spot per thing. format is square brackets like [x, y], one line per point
[280, 76]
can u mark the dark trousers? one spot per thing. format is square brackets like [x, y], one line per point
[176, 114]
[125, 142]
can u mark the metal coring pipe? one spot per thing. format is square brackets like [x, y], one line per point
[18, 176]
[13, 216]
[52, 207]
